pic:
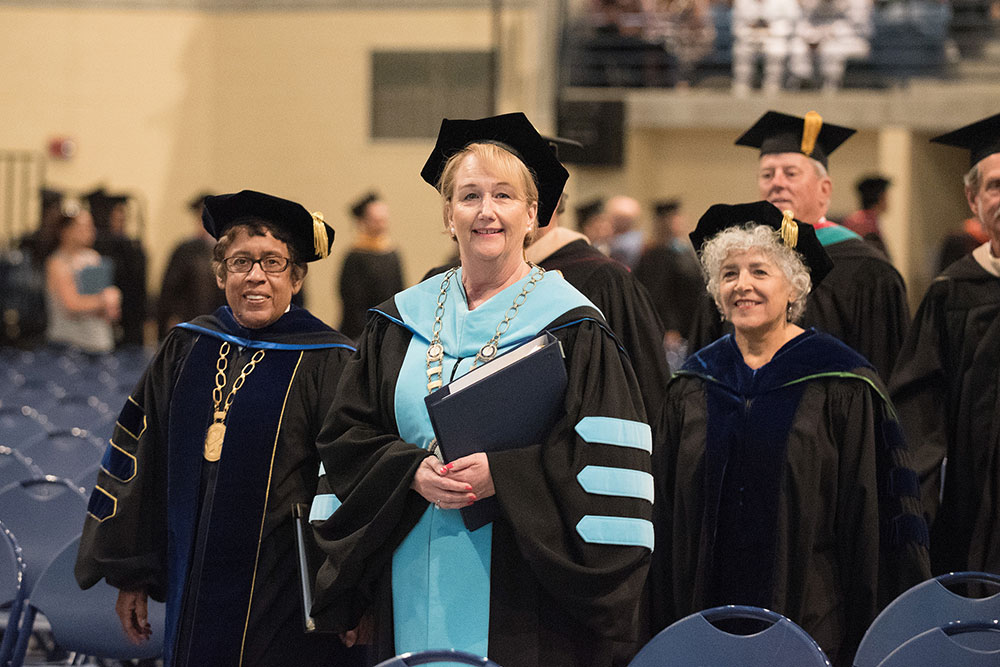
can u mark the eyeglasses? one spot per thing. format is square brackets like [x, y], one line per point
[268, 264]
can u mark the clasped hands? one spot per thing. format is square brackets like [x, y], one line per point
[454, 485]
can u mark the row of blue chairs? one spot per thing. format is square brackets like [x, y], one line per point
[40, 522]
[928, 626]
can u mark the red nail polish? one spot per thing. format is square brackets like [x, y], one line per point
[468, 487]
[443, 470]
[450, 466]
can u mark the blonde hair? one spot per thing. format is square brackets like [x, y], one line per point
[768, 241]
[501, 162]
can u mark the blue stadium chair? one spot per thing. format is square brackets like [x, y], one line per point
[65, 454]
[926, 606]
[433, 657]
[78, 410]
[85, 622]
[44, 515]
[11, 589]
[949, 646]
[21, 425]
[14, 467]
[694, 640]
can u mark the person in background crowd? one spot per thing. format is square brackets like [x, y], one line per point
[863, 300]
[622, 299]
[188, 287]
[946, 385]
[50, 211]
[595, 224]
[627, 242]
[128, 257]
[685, 29]
[761, 31]
[371, 271]
[874, 199]
[193, 504]
[81, 302]
[782, 477]
[671, 273]
[554, 579]
[826, 35]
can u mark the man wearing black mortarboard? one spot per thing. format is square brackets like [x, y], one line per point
[946, 384]
[372, 271]
[216, 444]
[110, 212]
[863, 300]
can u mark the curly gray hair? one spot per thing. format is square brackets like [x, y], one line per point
[768, 241]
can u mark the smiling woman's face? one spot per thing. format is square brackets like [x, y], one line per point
[257, 298]
[488, 213]
[754, 291]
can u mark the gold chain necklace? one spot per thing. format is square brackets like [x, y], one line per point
[435, 352]
[217, 430]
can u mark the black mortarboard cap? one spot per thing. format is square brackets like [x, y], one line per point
[587, 210]
[101, 199]
[515, 133]
[723, 216]
[666, 207]
[566, 150]
[981, 138]
[196, 202]
[871, 188]
[357, 209]
[311, 236]
[776, 132]
[50, 198]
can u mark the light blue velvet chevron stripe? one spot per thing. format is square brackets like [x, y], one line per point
[605, 481]
[323, 506]
[618, 432]
[617, 530]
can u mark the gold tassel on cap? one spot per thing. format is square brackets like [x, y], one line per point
[321, 244]
[811, 126]
[789, 229]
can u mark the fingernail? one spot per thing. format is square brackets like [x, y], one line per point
[468, 487]
[472, 497]
[443, 470]
[450, 466]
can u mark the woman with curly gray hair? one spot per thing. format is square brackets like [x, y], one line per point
[782, 477]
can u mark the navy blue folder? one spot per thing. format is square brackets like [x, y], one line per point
[509, 402]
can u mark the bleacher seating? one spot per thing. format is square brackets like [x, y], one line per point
[911, 39]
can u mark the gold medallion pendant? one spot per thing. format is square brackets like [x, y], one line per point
[213, 441]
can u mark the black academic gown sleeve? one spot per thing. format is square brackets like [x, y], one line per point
[597, 584]
[128, 547]
[369, 467]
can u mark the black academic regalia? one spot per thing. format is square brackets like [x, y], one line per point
[861, 302]
[216, 540]
[189, 285]
[627, 307]
[787, 487]
[129, 260]
[554, 599]
[367, 279]
[945, 386]
[672, 275]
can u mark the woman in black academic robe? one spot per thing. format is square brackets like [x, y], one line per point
[554, 579]
[782, 476]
